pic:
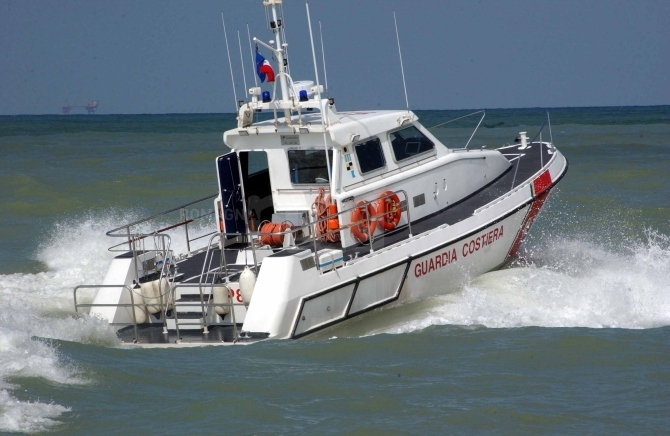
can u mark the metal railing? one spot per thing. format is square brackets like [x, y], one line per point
[204, 307]
[369, 219]
[131, 305]
[314, 239]
[483, 112]
[125, 231]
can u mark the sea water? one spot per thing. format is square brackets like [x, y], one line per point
[570, 337]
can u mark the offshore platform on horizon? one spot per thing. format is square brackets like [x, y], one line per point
[90, 107]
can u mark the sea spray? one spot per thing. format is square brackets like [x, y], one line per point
[20, 356]
[40, 305]
[574, 283]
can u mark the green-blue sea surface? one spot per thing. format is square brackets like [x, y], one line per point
[572, 337]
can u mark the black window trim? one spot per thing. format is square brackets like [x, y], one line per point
[408, 159]
[381, 145]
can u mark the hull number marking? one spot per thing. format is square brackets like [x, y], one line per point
[236, 295]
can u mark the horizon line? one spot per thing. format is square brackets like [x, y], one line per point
[345, 110]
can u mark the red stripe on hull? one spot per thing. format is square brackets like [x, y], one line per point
[541, 183]
[528, 221]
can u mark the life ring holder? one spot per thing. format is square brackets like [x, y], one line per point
[359, 221]
[389, 210]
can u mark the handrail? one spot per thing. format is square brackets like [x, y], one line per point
[132, 301]
[455, 119]
[313, 224]
[231, 304]
[222, 263]
[133, 237]
[460, 118]
[475, 131]
[365, 203]
[143, 220]
[132, 304]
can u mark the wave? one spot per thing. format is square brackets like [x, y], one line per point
[570, 283]
[40, 305]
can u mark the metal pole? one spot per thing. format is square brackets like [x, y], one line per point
[202, 306]
[132, 303]
[137, 272]
[409, 219]
[251, 53]
[541, 158]
[230, 63]
[316, 256]
[280, 60]
[367, 218]
[232, 314]
[176, 321]
[246, 215]
[402, 70]
[188, 243]
[475, 131]
[75, 299]
[323, 107]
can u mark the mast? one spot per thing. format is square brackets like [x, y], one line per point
[279, 51]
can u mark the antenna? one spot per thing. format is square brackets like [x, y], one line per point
[244, 76]
[283, 34]
[229, 61]
[402, 70]
[323, 55]
[251, 53]
[318, 93]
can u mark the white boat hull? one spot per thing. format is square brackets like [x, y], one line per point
[290, 303]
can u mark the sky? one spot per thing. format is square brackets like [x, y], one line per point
[162, 56]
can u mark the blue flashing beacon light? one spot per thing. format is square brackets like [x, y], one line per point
[266, 97]
[303, 95]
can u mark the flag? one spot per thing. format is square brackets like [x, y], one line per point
[263, 68]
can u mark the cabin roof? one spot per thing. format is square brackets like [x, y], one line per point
[348, 126]
[344, 117]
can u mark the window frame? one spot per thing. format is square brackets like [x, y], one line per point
[408, 159]
[381, 149]
[288, 162]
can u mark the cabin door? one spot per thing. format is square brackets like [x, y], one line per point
[230, 193]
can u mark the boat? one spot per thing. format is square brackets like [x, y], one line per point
[319, 217]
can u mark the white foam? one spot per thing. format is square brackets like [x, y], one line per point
[41, 305]
[20, 356]
[27, 416]
[574, 284]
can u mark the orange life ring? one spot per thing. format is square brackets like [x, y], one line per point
[359, 221]
[389, 210]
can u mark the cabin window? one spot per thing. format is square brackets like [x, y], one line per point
[409, 142]
[370, 155]
[308, 167]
